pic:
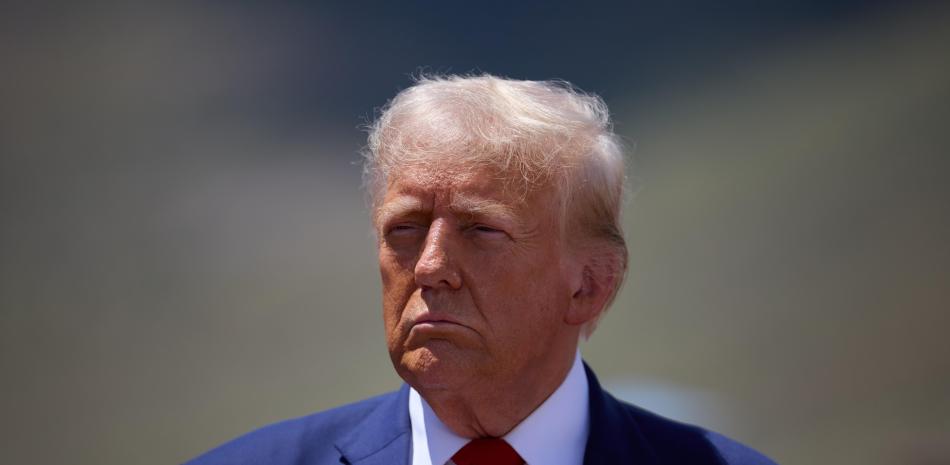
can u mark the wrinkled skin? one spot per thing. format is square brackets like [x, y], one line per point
[483, 300]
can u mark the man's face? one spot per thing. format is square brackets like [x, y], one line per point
[475, 287]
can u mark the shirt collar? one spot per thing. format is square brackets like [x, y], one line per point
[555, 433]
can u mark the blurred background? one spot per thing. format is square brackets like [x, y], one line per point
[185, 253]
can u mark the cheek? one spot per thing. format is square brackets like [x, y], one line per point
[514, 295]
[398, 285]
[395, 267]
[529, 300]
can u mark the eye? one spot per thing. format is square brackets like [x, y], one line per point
[483, 230]
[403, 229]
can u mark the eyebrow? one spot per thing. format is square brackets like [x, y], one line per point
[483, 208]
[400, 206]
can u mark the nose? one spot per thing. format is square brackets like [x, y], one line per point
[436, 267]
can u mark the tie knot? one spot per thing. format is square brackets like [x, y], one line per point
[487, 451]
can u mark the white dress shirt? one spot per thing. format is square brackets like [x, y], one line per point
[554, 434]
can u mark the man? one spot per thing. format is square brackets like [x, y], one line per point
[496, 205]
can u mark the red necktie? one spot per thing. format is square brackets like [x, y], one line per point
[487, 451]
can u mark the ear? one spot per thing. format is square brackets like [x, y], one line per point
[592, 286]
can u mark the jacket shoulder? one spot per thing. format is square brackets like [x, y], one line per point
[733, 452]
[674, 442]
[308, 439]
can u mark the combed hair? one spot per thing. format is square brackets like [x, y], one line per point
[533, 132]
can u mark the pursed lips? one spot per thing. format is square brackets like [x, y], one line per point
[435, 320]
[428, 327]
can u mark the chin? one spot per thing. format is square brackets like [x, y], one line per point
[433, 367]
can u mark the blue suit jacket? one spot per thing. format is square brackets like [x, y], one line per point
[377, 431]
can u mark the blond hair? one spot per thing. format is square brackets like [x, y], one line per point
[534, 132]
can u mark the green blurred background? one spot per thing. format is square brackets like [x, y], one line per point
[185, 253]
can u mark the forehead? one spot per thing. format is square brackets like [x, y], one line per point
[465, 190]
[436, 177]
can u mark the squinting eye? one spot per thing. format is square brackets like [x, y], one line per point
[403, 229]
[487, 230]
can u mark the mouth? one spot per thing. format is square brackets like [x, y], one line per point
[435, 322]
[434, 328]
[428, 329]
[428, 322]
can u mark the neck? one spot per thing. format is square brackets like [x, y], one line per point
[492, 408]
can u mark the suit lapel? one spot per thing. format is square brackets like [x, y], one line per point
[383, 437]
[614, 436]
